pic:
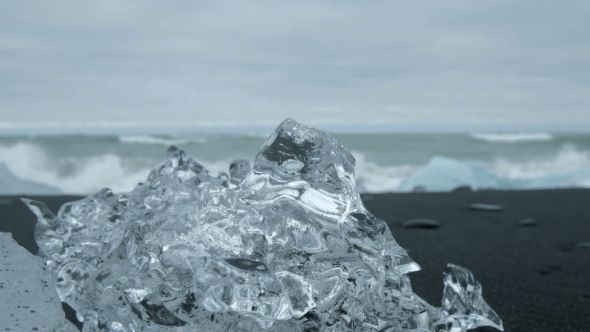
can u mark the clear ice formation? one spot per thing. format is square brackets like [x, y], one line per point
[283, 245]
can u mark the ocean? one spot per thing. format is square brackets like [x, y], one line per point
[84, 164]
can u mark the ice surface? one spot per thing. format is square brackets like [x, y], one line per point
[28, 301]
[238, 170]
[284, 245]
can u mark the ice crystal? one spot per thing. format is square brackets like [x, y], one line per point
[283, 245]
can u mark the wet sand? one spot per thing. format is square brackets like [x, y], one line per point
[537, 278]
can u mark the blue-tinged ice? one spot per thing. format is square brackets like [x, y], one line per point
[446, 174]
[443, 174]
[283, 245]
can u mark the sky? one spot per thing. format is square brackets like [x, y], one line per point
[333, 63]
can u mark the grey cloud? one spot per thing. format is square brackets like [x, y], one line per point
[221, 62]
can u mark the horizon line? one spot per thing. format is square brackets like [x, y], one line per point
[98, 128]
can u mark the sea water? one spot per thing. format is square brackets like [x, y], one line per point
[402, 162]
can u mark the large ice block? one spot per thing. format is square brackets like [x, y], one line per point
[284, 245]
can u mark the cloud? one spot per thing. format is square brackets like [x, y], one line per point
[322, 62]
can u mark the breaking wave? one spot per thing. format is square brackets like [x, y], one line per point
[568, 160]
[512, 137]
[71, 175]
[569, 167]
[375, 178]
[30, 163]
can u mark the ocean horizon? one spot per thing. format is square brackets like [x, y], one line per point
[57, 128]
[74, 163]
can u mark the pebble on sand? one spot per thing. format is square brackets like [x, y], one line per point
[486, 207]
[527, 222]
[421, 223]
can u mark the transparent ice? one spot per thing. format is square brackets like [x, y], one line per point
[284, 244]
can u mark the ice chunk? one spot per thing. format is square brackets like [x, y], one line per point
[463, 304]
[27, 292]
[286, 245]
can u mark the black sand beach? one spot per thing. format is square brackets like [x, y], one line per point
[537, 278]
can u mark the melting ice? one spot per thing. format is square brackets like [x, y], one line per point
[283, 245]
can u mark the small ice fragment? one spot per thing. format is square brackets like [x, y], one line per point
[486, 207]
[284, 245]
[527, 222]
[585, 245]
[421, 223]
[28, 301]
[463, 305]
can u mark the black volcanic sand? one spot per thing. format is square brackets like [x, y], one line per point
[534, 277]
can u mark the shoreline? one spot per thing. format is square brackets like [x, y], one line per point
[534, 277]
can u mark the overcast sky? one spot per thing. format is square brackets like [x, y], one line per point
[325, 63]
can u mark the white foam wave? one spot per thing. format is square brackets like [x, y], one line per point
[151, 140]
[12, 185]
[512, 137]
[569, 167]
[374, 178]
[29, 162]
[568, 160]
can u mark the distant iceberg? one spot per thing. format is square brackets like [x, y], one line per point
[12, 185]
[443, 174]
[446, 174]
